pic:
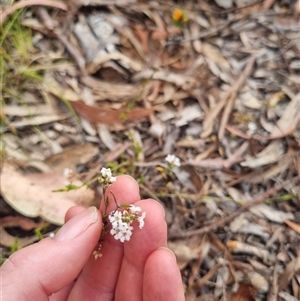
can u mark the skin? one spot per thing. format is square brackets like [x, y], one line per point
[62, 268]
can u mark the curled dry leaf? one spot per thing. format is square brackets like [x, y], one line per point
[19, 221]
[274, 151]
[180, 80]
[259, 282]
[8, 240]
[189, 114]
[287, 297]
[189, 178]
[106, 136]
[263, 210]
[235, 246]
[242, 225]
[291, 268]
[224, 3]
[183, 253]
[223, 277]
[32, 194]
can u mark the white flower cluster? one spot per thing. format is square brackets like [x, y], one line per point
[173, 160]
[106, 177]
[121, 222]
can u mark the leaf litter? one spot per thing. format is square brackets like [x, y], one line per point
[123, 85]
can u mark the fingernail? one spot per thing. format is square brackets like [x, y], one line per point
[167, 249]
[77, 225]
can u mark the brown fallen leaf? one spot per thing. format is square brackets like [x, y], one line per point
[294, 226]
[32, 194]
[184, 254]
[8, 240]
[108, 116]
[245, 292]
[19, 221]
[27, 224]
[71, 157]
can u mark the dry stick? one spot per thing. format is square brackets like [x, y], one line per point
[267, 4]
[208, 33]
[273, 292]
[219, 163]
[211, 116]
[25, 3]
[270, 192]
[74, 52]
[103, 2]
[7, 122]
[288, 132]
[234, 92]
[212, 164]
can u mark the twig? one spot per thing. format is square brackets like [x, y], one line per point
[49, 24]
[74, 52]
[185, 82]
[104, 2]
[206, 34]
[25, 3]
[215, 225]
[288, 132]
[151, 194]
[230, 94]
[234, 92]
[274, 286]
[212, 164]
[268, 4]
[220, 163]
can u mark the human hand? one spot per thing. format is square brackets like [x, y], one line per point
[62, 268]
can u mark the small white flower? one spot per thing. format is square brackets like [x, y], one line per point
[126, 234]
[115, 218]
[141, 220]
[113, 179]
[121, 222]
[135, 208]
[124, 227]
[106, 177]
[173, 160]
[116, 232]
[105, 172]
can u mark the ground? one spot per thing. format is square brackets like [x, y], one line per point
[123, 84]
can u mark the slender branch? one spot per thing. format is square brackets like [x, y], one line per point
[288, 132]
[25, 3]
[220, 223]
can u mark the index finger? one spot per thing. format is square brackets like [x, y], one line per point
[98, 279]
[142, 243]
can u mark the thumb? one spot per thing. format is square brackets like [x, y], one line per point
[36, 272]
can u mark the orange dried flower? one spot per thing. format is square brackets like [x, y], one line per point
[178, 15]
